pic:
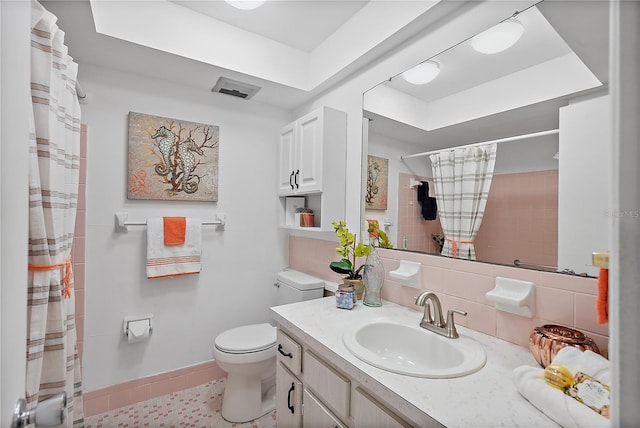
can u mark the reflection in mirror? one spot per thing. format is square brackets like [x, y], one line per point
[545, 208]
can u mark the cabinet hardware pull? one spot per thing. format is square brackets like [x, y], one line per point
[290, 177]
[296, 180]
[293, 387]
[286, 354]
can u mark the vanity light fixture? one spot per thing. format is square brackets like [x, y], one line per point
[246, 4]
[422, 73]
[499, 37]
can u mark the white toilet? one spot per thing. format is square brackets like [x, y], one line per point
[248, 353]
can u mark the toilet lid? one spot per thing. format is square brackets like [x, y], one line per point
[248, 338]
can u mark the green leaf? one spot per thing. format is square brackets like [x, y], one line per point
[344, 267]
[343, 264]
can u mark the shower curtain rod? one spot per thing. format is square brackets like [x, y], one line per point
[501, 140]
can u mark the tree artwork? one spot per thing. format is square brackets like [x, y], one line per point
[171, 159]
[377, 177]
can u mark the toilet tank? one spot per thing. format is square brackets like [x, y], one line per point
[294, 286]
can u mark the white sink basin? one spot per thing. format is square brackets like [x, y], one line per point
[412, 350]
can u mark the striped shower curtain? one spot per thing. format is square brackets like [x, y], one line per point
[53, 365]
[462, 179]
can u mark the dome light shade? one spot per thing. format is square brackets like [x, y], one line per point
[246, 4]
[499, 37]
[422, 73]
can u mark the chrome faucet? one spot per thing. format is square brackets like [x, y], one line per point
[436, 323]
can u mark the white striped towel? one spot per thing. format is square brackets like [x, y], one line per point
[166, 261]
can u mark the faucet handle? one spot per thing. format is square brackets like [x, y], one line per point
[450, 325]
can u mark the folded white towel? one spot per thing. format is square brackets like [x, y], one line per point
[595, 365]
[432, 189]
[173, 260]
[565, 410]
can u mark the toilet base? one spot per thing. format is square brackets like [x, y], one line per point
[247, 397]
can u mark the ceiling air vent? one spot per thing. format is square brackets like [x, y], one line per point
[235, 88]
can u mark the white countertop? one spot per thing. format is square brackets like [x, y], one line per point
[487, 398]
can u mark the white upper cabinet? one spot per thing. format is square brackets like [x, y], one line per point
[309, 160]
[286, 169]
[306, 148]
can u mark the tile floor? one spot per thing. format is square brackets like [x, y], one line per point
[194, 407]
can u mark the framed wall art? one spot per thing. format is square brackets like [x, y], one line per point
[171, 159]
[377, 183]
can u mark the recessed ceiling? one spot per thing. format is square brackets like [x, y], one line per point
[300, 24]
[293, 49]
[462, 67]
[481, 97]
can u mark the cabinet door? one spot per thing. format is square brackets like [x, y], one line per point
[288, 399]
[309, 134]
[316, 414]
[368, 412]
[333, 388]
[287, 159]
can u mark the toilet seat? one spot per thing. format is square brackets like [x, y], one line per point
[246, 339]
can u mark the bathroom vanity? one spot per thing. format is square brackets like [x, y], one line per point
[321, 383]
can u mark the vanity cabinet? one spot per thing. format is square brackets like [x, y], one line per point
[288, 398]
[320, 395]
[316, 414]
[369, 412]
[312, 160]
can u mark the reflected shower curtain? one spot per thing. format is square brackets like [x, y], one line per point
[53, 365]
[462, 178]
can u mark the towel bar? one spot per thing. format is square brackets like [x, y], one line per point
[122, 225]
[518, 263]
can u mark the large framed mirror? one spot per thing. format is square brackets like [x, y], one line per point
[543, 103]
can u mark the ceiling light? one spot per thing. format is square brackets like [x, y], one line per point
[246, 4]
[499, 37]
[422, 73]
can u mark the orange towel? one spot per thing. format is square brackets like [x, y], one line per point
[174, 230]
[602, 301]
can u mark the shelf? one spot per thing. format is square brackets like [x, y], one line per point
[305, 229]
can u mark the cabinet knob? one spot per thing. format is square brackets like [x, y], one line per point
[290, 178]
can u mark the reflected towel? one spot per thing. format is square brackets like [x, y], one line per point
[602, 301]
[429, 207]
[432, 190]
[175, 229]
[563, 409]
[165, 261]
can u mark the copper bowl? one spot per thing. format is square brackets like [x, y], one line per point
[546, 341]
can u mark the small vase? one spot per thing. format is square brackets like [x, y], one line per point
[345, 296]
[358, 285]
[307, 219]
[373, 278]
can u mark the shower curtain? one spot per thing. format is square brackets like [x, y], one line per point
[462, 178]
[53, 365]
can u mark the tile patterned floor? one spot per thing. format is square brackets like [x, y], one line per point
[194, 407]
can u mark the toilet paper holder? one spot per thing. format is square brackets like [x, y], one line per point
[130, 319]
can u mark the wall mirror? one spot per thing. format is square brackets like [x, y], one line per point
[543, 101]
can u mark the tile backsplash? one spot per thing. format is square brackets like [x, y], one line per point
[560, 299]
